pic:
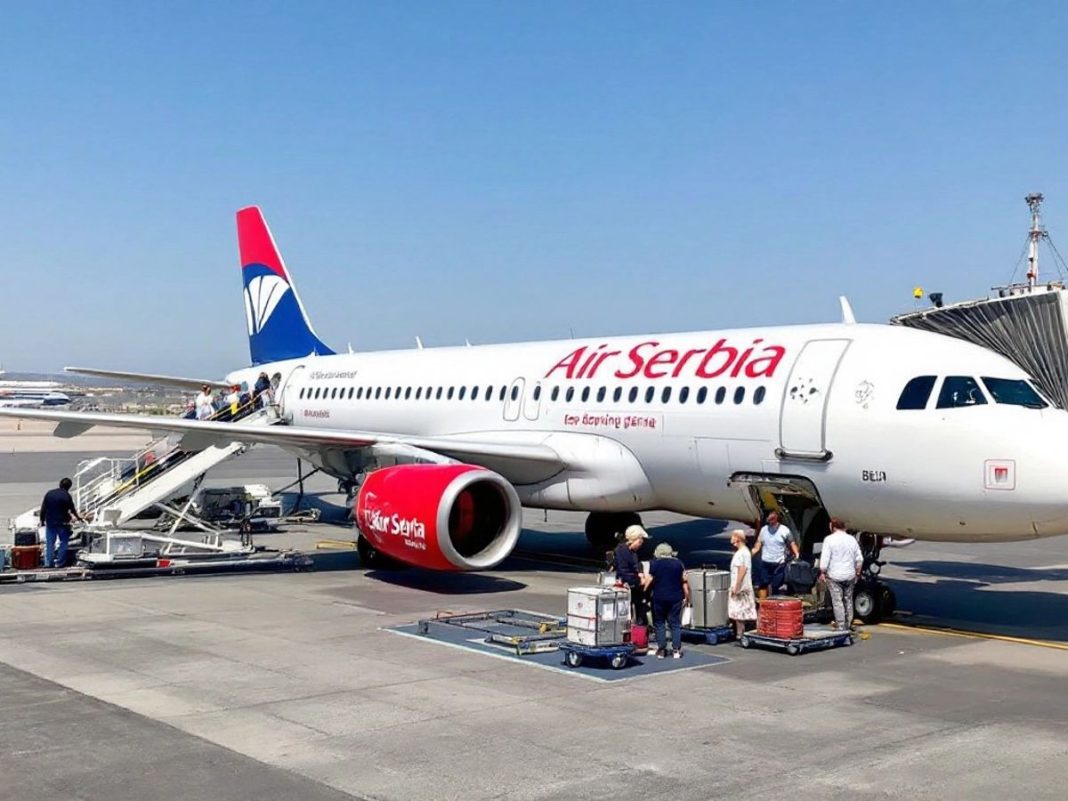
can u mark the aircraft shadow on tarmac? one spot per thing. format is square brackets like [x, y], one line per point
[446, 583]
[965, 595]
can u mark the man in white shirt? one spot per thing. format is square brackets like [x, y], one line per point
[771, 544]
[841, 561]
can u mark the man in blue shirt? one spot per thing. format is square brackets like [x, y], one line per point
[771, 544]
[670, 592]
[57, 512]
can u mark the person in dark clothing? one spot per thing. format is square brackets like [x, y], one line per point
[629, 570]
[57, 513]
[670, 592]
[261, 391]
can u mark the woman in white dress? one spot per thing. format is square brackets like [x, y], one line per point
[741, 603]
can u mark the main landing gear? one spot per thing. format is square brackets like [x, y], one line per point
[372, 558]
[603, 529]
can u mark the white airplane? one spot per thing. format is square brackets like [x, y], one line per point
[902, 433]
[32, 398]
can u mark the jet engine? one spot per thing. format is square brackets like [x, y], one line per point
[442, 517]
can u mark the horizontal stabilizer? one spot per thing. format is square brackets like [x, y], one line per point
[150, 378]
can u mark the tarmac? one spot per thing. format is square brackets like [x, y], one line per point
[290, 686]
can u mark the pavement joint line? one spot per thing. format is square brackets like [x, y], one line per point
[975, 635]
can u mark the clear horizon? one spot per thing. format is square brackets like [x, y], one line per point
[495, 172]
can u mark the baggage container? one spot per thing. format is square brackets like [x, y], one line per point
[709, 591]
[598, 615]
[26, 557]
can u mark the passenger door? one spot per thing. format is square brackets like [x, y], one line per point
[513, 399]
[802, 421]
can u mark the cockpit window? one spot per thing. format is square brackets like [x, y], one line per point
[916, 393]
[960, 390]
[1015, 392]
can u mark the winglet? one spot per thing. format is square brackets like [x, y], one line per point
[847, 311]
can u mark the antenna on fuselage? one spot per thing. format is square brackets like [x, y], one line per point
[419, 343]
[847, 311]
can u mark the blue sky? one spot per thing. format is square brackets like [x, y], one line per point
[502, 171]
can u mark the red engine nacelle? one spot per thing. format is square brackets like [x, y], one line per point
[442, 517]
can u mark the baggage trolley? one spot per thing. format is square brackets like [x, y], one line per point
[809, 641]
[617, 655]
[709, 636]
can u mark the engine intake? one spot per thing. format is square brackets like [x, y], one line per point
[442, 517]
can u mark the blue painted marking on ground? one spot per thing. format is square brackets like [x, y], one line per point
[639, 666]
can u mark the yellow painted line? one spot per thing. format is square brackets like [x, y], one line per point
[975, 635]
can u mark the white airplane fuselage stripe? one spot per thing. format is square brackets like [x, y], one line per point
[664, 420]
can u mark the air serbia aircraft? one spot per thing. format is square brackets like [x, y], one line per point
[900, 432]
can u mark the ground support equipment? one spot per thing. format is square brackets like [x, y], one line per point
[709, 636]
[526, 632]
[616, 655]
[811, 640]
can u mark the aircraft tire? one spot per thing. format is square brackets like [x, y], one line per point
[602, 528]
[867, 601]
[373, 559]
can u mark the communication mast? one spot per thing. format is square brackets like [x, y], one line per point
[1037, 232]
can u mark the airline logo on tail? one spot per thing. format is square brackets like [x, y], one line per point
[278, 326]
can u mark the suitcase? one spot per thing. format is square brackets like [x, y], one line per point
[709, 590]
[26, 537]
[26, 557]
[800, 577]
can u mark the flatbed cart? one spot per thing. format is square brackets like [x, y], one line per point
[617, 655]
[526, 632]
[811, 640]
[709, 636]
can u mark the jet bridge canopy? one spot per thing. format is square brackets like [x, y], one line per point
[1026, 326]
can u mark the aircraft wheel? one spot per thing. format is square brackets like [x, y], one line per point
[866, 604]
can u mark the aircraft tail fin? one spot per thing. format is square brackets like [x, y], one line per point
[278, 326]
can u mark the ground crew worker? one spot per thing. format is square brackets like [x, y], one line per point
[629, 570]
[771, 544]
[57, 511]
[841, 561]
[670, 592]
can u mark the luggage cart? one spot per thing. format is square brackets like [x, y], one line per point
[617, 655]
[526, 632]
[708, 636]
[811, 640]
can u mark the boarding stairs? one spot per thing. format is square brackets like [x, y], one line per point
[112, 491]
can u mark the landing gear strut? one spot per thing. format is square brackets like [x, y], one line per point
[873, 599]
[604, 528]
[372, 558]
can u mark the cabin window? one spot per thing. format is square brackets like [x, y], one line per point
[617, 393]
[301, 393]
[388, 390]
[649, 393]
[503, 390]
[437, 395]
[515, 392]
[600, 395]
[684, 393]
[407, 393]
[665, 396]
[702, 393]
[449, 394]
[585, 394]
[916, 393]
[537, 392]
[721, 395]
[378, 392]
[960, 390]
[489, 393]
[569, 394]
[758, 396]
[555, 393]
[352, 392]
[463, 391]
[739, 395]
[418, 393]
[1014, 392]
[632, 396]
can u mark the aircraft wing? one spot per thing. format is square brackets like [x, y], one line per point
[199, 434]
[150, 378]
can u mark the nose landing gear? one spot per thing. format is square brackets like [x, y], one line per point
[873, 599]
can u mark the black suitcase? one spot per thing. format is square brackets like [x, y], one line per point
[800, 577]
[25, 538]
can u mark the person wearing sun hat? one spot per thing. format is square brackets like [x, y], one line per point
[670, 592]
[629, 570]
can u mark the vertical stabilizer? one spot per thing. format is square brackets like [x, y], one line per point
[278, 326]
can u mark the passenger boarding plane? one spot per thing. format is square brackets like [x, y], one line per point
[903, 433]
